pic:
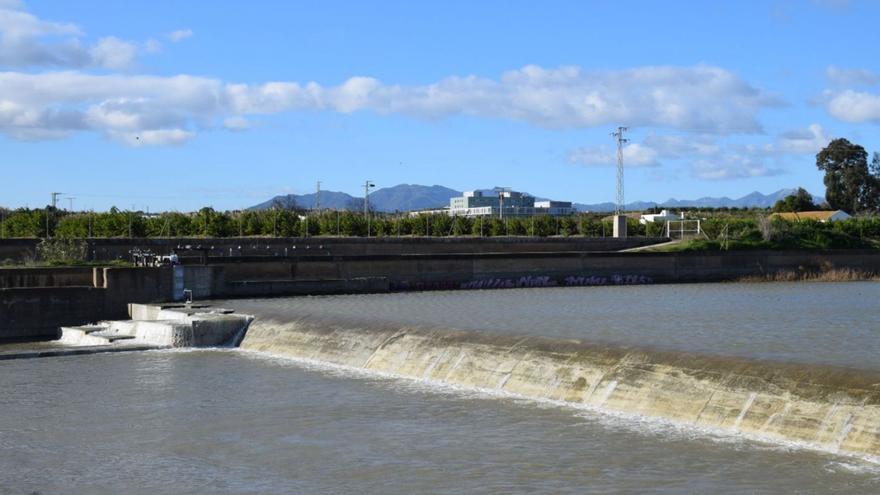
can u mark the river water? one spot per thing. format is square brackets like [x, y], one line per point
[232, 421]
[236, 422]
[816, 323]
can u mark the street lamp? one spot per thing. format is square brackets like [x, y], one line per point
[367, 185]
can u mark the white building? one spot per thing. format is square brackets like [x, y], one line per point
[505, 204]
[662, 217]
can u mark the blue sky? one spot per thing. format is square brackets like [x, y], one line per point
[176, 105]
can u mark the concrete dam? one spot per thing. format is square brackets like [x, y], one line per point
[828, 408]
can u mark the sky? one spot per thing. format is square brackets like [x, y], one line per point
[169, 105]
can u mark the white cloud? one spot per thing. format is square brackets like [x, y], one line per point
[853, 106]
[160, 137]
[803, 141]
[179, 35]
[708, 159]
[847, 77]
[152, 46]
[27, 41]
[728, 166]
[236, 123]
[634, 155]
[59, 103]
[709, 99]
[113, 53]
[701, 98]
[678, 146]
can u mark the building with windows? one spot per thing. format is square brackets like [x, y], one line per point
[505, 204]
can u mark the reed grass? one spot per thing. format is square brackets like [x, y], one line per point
[824, 275]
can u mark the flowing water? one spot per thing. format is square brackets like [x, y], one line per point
[240, 421]
[820, 323]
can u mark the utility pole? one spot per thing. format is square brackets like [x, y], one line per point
[619, 217]
[618, 136]
[501, 191]
[54, 203]
[70, 203]
[318, 197]
[367, 185]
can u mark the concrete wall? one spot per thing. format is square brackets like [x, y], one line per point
[28, 311]
[492, 270]
[36, 313]
[264, 247]
[17, 250]
[46, 277]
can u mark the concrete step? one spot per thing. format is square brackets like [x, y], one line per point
[111, 337]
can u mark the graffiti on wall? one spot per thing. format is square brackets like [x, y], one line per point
[582, 281]
[404, 285]
[510, 283]
[524, 281]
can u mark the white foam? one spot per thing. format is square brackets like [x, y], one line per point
[605, 417]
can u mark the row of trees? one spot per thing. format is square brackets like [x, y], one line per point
[208, 222]
[852, 184]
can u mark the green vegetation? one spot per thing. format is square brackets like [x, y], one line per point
[801, 200]
[774, 233]
[723, 228]
[208, 222]
[851, 184]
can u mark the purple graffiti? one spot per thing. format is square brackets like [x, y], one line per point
[423, 285]
[525, 281]
[616, 279]
[510, 283]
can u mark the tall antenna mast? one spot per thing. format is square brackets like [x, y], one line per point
[618, 135]
[318, 196]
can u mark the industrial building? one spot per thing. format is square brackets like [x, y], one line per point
[505, 203]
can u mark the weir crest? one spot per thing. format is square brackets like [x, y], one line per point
[820, 407]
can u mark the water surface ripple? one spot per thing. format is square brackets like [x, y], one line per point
[233, 422]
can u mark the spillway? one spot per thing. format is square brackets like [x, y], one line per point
[822, 407]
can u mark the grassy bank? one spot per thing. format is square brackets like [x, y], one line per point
[829, 275]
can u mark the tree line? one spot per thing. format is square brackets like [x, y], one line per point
[208, 222]
[852, 185]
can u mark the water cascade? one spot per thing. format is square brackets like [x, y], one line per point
[829, 408]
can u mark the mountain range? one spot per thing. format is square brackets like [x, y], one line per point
[408, 197]
[751, 200]
[402, 197]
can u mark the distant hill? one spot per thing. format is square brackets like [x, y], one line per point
[408, 197]
[329, 199]
[752, 200]
[403, 197]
